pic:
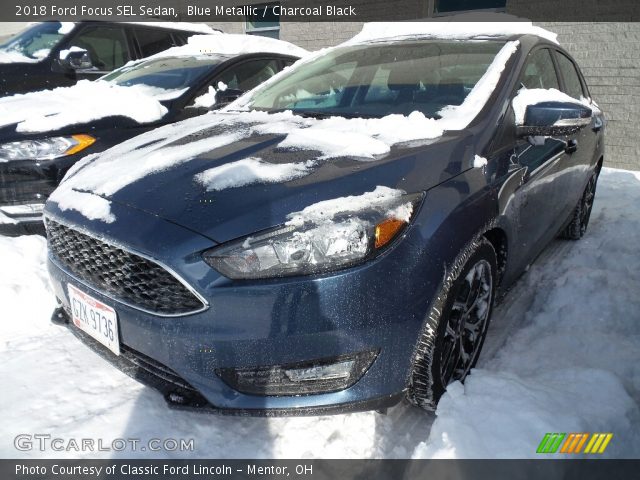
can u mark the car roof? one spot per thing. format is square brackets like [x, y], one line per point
[183, 27]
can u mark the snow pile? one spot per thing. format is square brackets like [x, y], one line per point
[249, 171]
[531, 96]
[451, 28]
[84, 102]
[26, 299]
[512, 414]
[561, 356]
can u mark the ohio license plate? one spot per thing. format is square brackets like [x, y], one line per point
[95, 318]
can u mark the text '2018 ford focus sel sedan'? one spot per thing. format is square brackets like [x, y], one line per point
[335, 239]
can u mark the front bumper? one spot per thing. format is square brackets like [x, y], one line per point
[25, 185]
[378, 306]
[180, 395]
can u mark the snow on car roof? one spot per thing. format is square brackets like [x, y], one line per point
[230, 44]
[456, 27]
[184, 26]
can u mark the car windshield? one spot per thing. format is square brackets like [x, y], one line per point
[171, 74]
[375, 80]
[36, 41]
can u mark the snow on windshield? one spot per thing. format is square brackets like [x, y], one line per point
[32, 44]
[84, 102]
[365, 138]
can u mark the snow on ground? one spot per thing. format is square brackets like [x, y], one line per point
[561, 356]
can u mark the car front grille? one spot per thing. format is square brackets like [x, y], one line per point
[125, 276]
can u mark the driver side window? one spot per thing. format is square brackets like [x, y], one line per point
[539, 71]
[107, 47]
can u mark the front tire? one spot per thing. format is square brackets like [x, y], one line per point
[454, 332]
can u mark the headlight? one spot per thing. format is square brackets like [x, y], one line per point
[311, 243]
[46, 148]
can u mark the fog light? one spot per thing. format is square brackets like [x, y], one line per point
[304, 378]
[323, 372]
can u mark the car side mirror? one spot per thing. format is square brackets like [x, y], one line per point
[549, 119]
[225, 97]
[75, 58]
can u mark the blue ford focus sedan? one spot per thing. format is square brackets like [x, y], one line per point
[335, 239]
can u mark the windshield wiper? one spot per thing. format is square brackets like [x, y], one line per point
[320, 114]
[314, 114]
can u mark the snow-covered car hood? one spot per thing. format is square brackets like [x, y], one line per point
[15, 57]
[48, 110]
[223, 173]
[239, 175]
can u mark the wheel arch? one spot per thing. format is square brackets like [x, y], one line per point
[498, 239]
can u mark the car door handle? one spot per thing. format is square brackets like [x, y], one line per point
[597, 124]
[572, 146]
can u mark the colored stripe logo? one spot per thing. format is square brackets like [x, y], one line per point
[574, 443]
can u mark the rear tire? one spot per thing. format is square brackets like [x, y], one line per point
[455, 329]
[582, 213]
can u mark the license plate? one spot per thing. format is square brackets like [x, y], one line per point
[95, 318]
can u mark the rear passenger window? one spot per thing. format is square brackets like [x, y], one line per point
[539, 72]
[572, 85]
[153, 41]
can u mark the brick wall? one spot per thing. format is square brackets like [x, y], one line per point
[609, 56]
